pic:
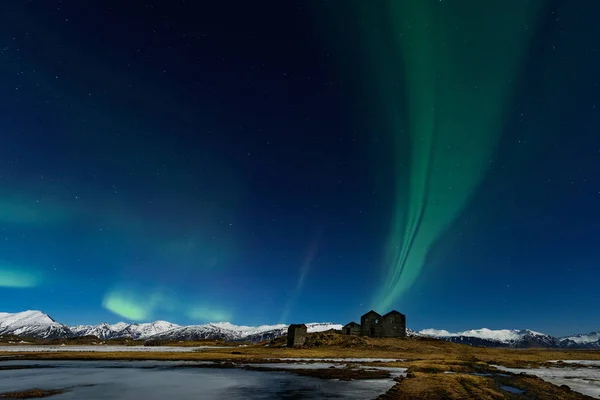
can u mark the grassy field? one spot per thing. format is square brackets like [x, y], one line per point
[428, 362]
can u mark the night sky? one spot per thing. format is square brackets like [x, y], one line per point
[299, 161]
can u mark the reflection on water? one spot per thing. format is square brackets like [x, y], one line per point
[164, 380]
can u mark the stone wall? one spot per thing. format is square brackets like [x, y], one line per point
[394, 324]
[296, 336]
[351, 329]
[372, 324]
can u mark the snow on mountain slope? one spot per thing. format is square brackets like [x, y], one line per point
[591, 340]
[247, 330]
[32, 324]
[281, 330]
[584, 338]
[124, 330]
[39, 325]
[322, 326]
[143, 331]
[228, 331]
[103, 330]
[119, 326]
[435, 333]
[500, 335]
[495, 338]
[25, 318]
[200, 332]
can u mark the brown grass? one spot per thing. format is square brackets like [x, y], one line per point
[444, 386]
[30, 394]
[427, 360]
[324, 339]
[410, 350]
[463, 386]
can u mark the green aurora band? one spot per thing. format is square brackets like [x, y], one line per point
[461, 59]
[16, 276]
[136, 303]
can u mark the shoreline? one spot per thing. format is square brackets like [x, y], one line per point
[433, 368]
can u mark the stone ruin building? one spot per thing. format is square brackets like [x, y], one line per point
[296, 335]
[372, 324]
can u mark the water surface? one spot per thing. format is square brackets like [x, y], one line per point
[151, 380]
[583, 380]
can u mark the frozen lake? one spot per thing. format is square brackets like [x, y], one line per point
[150, 380]
[102, 349]
[582, 380]
[594, 363]
[345, 359]
[394, 371]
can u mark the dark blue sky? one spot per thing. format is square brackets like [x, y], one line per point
[166, 160]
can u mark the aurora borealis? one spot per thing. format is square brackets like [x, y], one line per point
[301, 161]
[459, 79]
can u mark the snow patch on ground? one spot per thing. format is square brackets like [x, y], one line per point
[582, 362]
[582, 380]
[394, 371]
[353, 360]
[296, 365]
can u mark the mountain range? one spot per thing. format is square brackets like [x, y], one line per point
[524, 338]
[36, 324]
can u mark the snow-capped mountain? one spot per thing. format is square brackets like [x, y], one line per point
[103, 330]
[32, 324]
[281, 330]
[39, 325]
[124, 330]
[495, 338]
[36, 324]
[591, 340]
[230, 332]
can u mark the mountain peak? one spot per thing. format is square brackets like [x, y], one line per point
[583, 338]
[28, 317]
[34, 323]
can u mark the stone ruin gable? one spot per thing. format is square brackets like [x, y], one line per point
[296, 336]
[371, 324]
[394, 324]
[351, 328]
